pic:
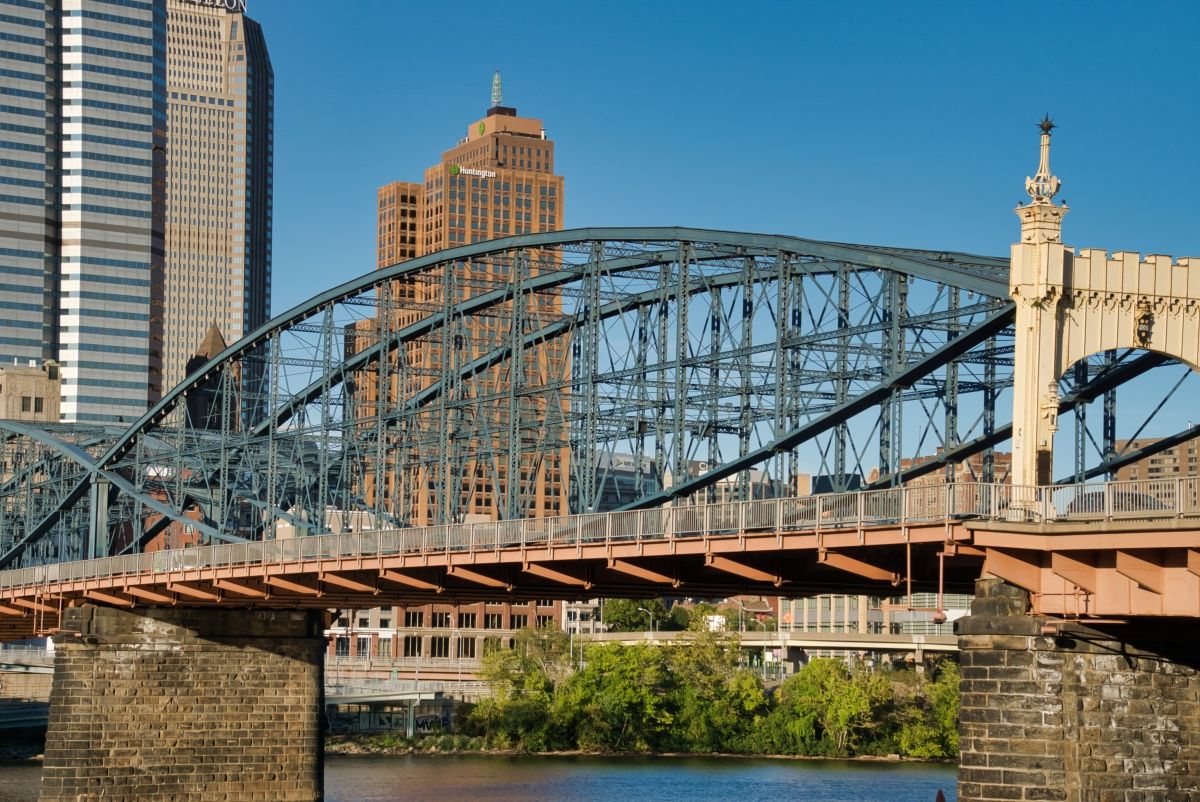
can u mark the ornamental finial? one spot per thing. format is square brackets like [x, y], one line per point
[1045, 185]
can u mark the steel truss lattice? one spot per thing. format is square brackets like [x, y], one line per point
[514, 377]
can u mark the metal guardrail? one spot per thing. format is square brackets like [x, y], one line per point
[1143, 499]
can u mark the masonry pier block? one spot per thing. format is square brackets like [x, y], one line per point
[186, 705]
[1054, 711]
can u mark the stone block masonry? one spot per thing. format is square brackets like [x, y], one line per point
[1066, 712]
[186, 705]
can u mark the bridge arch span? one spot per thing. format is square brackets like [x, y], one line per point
[391, 399]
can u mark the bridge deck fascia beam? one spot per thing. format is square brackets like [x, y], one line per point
[293, 586]
[408, 580]
[1145, 573]
[740, 569]
[626, 567]
[185, 589]
[240, 588]
[346, 582]
[851, 565]
[556, 576]
[1013, 569]
[479, 579]
[35, 605]
[1075, 568]
[108, 597]
[149, 595]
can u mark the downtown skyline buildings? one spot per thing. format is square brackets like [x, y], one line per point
[497, 180]
[111, 147]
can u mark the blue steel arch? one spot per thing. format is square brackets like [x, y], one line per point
[640, 249]
[935, 265]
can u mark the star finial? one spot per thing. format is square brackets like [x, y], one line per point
[1044, 186]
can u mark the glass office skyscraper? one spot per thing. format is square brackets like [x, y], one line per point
[135, 191]
[82, 138]
[220, 114]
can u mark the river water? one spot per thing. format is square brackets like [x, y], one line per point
[452, 778]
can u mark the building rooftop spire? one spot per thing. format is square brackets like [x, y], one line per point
[1044, 186]
[497, 91]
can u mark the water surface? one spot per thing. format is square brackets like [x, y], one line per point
[453, 778]
[438, 778]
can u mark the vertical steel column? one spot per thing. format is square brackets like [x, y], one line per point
[317, 506]
[1110, 417]
[383, 398]
[221, 494]
[715, 308]
[97, 545]
[660, 385]
[890, 321]
[682, 348]
[841, 432]
[591, 330]
[989, 411]
[643, 400]
[1080, 378]
[792, 380]
[274, 383]
[141, 471]
[442, 488]
[950, 392]
[783, 290]
[516, 383]
[746, 422]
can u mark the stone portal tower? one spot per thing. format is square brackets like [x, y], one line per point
[1035, 279]
[1072, 305]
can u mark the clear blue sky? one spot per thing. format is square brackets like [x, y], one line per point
[885, 123]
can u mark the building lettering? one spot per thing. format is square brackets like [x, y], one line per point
[238, 6]
[457, 170]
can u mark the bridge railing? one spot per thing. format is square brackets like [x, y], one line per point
[1118, 501]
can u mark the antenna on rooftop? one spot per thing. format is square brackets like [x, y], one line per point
[497, 93]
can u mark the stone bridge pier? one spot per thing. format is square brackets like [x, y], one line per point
[186, 704]
[1054, 711]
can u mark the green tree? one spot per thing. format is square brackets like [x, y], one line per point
[523, 682]
[715, 702]
[625, 615]
[823, 709]
[617, 702]
[930, 728]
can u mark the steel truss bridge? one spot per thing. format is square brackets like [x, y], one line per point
[514, 378]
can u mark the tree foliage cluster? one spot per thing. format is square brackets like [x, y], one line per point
[635, 615]
[694, 697]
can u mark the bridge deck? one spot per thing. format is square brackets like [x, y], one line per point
[1107, 550]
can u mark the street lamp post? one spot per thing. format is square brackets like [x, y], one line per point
[649, 615]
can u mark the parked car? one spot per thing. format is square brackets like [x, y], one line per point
[1125, 504]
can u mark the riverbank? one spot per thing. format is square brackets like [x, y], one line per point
[386, 744]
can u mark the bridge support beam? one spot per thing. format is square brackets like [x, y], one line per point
[186, 704]
[1058, 711]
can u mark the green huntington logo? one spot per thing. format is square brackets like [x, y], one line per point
[481, 129]
[456, 169]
